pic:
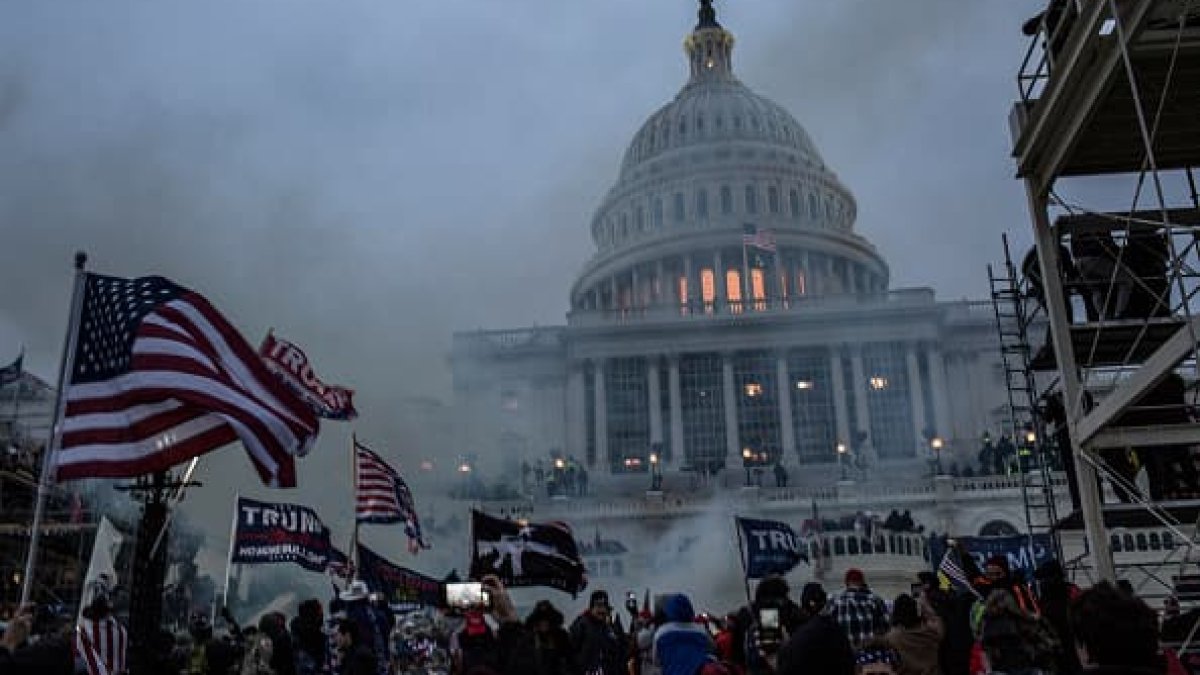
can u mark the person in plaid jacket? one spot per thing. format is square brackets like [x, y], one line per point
[861, 613]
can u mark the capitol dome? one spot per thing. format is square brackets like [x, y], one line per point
[716, 167]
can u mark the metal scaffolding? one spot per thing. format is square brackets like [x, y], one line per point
[1112, 87]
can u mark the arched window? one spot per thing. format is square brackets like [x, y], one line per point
[733, 290]
[702, 203]
[828, 209]
[839, 546]
[1127, 540]
[998, 528]
[773, 199]
[683, 290]
[699, 124]
[1168, 541]
[624, 225]
[678, 207]
[812, 207]
[794, 203]
[726, 200]
[800, 288]
[1114, 542]
[708, 286]
[658, 213]
[1141, 542]
[1155, 542]
[751, 200]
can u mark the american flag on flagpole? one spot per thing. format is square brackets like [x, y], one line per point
[953, 570]
[383, 496]
[755, 237]
[101, 645]
[160, 377]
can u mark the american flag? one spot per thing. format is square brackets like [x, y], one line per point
[160, 377]
[100, 644]
[764, 240]
[953, 571]
[384, 497]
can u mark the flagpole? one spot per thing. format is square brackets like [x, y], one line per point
[354, 531]
[742, 558]
[17, 391]
[65, 366]
[237, 497]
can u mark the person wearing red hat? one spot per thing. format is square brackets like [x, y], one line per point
[861, 613]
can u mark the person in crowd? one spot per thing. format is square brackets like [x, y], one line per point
[547, 642]
[819, 646]
[473, 646]
[998, 576]
[1014, 641]
[1115, 633]
[877, 658]
[99, 635]
[373, 629]
[354, 657]
[953, 607]
[861, 613]
[916, 634]
[49, 655]
[681, 646]
[771, 593]
[308, 637]
[597, 639]
[1055, 597]
[781, 475]
[273, 626]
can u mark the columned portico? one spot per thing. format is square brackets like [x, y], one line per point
[677, 452]
[601, 416]
[783, 382]
[733, 451]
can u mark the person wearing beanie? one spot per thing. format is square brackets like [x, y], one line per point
[861, 613]
[819, 646]
[597, 640]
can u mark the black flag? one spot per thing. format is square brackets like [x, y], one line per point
[526, 554]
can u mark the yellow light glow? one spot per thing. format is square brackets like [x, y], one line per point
[559, 463]
[936, 443]
[804, 385]
[754, 390]
[841, 448]
[878, 383]
[747, 453]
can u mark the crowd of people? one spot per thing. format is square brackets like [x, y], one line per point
[999, 625]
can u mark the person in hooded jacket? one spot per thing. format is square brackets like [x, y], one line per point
[681, 646]
[546, 646]
[819, 646]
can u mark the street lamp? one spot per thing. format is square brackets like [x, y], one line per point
[747, 455]
[936, 444]
[841, 455]
[655, 484]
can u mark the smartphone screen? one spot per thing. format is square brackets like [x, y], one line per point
[768, 618]
[466, 595]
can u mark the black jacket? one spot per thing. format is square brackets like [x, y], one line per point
[598, 644]
[50, 656]
[549, 654]
[819, 647]
[359, 661]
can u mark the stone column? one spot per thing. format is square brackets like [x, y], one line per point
[616, 298]
[677, 448]
[721, 299]
[916, 396]
[862, 413]
[805, 265]
[842, 418]
[655, 396]
[733, 450]
[601, 418]
[783, 382]
[660, 285]
[635, 291]
[576, 418]
[937, 384]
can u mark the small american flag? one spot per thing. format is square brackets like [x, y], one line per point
[100, 644]
[952, 570]
[383, 496]
[160, 377]
[764, 240]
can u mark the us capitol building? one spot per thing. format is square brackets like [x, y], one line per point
[731, 319]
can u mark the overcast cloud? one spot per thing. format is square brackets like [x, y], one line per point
[367, 177]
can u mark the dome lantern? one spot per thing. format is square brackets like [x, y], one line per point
[709, 47]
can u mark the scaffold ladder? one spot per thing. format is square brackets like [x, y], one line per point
[1009, 292]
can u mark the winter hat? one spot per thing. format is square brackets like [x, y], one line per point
[855, 576]
[599, 599]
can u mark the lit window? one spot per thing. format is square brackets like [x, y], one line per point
[773, 199]
[804, 385]
[708, 287]
[753, 389]
[878, 382]
[758, 284]
[751, 199]
[726, 200]
[733, 286]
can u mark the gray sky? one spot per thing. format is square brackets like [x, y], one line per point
[368, 177]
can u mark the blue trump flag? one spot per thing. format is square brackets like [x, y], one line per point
[769, 547]
[1024, 554]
